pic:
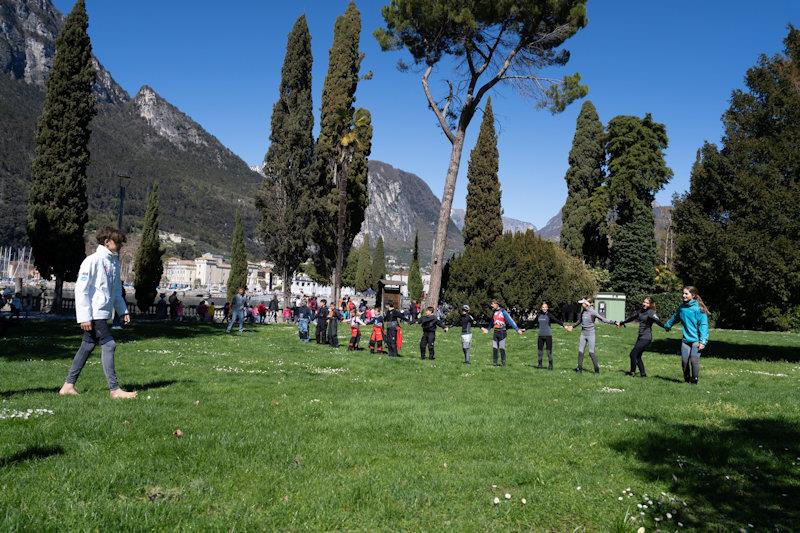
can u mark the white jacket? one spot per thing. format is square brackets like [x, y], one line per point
[98, 290]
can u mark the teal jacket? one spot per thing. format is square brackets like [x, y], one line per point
[695, 322]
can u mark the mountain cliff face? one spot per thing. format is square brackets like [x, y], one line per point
[202, 183]
[509, 224]
[552, 230]
[401, 203]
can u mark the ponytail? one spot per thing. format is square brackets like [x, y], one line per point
[693, 291]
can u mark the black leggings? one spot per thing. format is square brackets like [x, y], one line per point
[427, 340]
[636, 354]
[545, 341]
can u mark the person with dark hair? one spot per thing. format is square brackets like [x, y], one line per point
[545, 319]
[355, 323]
[392, 320]
[429, 324]
[376, 338]
[322, 322]
[98, 292]
[693, 315]
[238, 310]
[466, 332]
[161, 307]
[173, 305]
[273, 309]
[586, 320]
[646, 317]
[304, 318]
[334, 316]
[500, 322]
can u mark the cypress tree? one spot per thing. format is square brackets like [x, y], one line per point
[148, 266]
[364, 269]
[483, 220]
[238, 275]
[285, 199]
[57, 202]
[637, 171]
[378, 263]
[584, 230]
[342, 203]
[736, 228]
[415, 286]
[351, 268]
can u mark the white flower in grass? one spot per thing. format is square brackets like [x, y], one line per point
[494, 486]
[640, 530]
[508, 496]
[669, 516]
[578, 487]
[496, 500]
[680, 524]
[620, 498]
[524, 501]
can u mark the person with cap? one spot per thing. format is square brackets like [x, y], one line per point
[586, 320]
[466, 332]
[500, 322]
[545, 340]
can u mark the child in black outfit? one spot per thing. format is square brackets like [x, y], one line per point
[429, 324]
[466, 331]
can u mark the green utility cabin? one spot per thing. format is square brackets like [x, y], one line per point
[610, 305]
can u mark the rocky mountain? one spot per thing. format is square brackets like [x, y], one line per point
[202, 183]
[552, 230]
[402, 203]
[509, 224]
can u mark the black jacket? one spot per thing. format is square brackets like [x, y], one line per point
[429, 323]
[646, 319]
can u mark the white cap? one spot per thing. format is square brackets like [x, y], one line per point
[584, 301]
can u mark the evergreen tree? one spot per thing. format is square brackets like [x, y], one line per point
[238, 275]
[57, 202]
[148, 266]
[483, 220]
[340, 154]
[415, 286]
[378, 263]
[351, 268]
[364, 270]
[637, 171]
[736, 229]
[584, 230]
[285, 199]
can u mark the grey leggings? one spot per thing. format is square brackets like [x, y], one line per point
[690, 359]
[101, 335]
[587, 337]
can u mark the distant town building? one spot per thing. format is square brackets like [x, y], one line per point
[211, 270]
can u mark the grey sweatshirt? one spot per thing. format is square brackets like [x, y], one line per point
[587, 318]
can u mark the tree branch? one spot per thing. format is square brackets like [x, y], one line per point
[432, 104]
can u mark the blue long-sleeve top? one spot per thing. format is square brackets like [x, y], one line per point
[694, 320]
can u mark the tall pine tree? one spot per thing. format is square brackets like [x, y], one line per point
[364, 268]
[483, 220]
[378, 263]
[737, 227]
[340, 154]
[415, 286]
[285, 199]
[238, 275]
[637, 171]
[148, 267]
[584, 233]
[57, 202]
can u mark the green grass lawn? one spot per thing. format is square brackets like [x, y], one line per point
[282, 435]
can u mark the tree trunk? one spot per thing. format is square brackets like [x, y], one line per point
[287, 288]
[341, 182]
[57, 295]
[440, 239]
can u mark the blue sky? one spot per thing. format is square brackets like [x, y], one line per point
[220, 63]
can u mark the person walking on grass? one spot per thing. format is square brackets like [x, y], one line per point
[238, 310]
[273, 309]
[429, 324]
[98, 292]
[545, 340]
[693, 315]
[646, 316]
[304, 318]
[586, 320]
[355, 323]
[501, 320]
[392, 320]
[334, 317]
[322, 323]
[466, 332]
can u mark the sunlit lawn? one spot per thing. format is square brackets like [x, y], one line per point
[281, 435]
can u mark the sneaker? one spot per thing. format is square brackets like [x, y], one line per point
[631, 374]
[643, 375]
[578, 370]
[539, 365]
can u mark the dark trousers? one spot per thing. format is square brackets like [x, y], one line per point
[354, 340]
[545, 341]
[427, 340]
[322, 332]
[391, 340]
[333, 333]
[636, 355]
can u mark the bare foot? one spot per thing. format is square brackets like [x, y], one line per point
[68, 389]
[119, 394]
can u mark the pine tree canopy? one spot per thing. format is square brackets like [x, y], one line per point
[737, 227]
[148, 265]
[415, 285]
[57, 202]
[238, 275]
[483, 220]
[379, 262]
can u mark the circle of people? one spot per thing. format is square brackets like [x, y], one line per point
[386, 330]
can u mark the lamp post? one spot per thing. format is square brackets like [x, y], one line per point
[123, 182]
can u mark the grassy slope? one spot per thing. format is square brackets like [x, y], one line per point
[279, 441]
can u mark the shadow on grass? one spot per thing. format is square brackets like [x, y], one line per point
[51, 340]
[31, 453]
[33, 390]
[160, 384]
[739, 474]
[732, 350]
